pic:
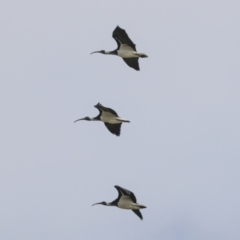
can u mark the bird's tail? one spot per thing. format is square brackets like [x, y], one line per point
[122, 120]
[142, 55]
[139, 206]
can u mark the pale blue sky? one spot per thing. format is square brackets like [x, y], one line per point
[179, 155]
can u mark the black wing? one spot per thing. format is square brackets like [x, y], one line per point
[132, 62]
[100, 107]
[114, 128]
[138, 213]
[126, 192]
[120, 34]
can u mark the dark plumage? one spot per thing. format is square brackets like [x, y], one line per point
[126, 49]
[110, 118]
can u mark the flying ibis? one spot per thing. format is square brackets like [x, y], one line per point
[126, 200]
[110, 118]
[126, 49]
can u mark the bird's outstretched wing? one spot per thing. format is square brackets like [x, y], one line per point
[126, 192]
[121, 36]
[138, 213]
[100, 107]
[114, 128]
[132, 62]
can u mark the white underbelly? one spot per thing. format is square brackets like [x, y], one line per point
[127, 205]
[110, 120]
[124, 205]
[126, 54]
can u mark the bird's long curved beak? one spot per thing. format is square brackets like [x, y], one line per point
[96, 52]
[79, 119]
[97, 203]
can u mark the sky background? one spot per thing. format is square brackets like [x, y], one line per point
[180, 154]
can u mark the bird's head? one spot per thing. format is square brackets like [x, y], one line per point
[86, 118]
[102, 203]
[102, 51]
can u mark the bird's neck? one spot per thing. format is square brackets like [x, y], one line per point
[95, 119]
[111, 52]
[110, 204]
